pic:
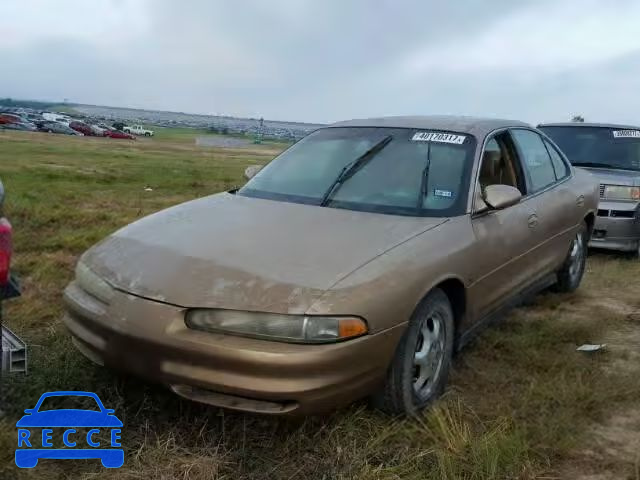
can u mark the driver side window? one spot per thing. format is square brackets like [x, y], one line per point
[499, 166]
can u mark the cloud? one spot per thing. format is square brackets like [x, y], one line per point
[325, 61]
[559, 36]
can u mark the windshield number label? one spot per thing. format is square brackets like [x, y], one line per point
[443, 193]
[626, 133]
[439, 137]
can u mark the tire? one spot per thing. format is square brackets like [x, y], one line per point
[406, 392]
[572, 270]
[147, 134]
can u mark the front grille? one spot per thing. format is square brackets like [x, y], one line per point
[601, 191]
[603, 213]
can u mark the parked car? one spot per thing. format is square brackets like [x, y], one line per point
[353, 264]
[82, 128]
[118, 134]
[138, 130]
[57, 127]
[56, 117]
[97, 131]
[23, 126]
[6, 118]
[612, 154]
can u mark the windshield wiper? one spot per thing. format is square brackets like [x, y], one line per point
[425, 178]
[351, 168]
[593, 164]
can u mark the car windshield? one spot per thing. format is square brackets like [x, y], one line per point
[64, 402]
[388, 170]
[617, 148]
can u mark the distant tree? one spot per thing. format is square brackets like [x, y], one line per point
[578, 119]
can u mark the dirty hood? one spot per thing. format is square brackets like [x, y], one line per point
[228, 251]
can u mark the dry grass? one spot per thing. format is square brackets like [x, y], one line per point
[522, 402]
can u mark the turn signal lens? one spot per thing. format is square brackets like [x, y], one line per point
[351, 327]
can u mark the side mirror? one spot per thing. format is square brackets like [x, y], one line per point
[29, 411]
[501, 196]
[251, 171]
[109, 411]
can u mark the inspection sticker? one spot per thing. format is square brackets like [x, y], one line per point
[626, 133]
[443, 193]
[439, 137]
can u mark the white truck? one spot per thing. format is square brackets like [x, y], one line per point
[138, 130]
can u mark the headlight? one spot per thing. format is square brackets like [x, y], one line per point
[92, 283]
[283, 328]
[619, 192]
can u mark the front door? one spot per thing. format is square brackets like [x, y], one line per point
[503, 260]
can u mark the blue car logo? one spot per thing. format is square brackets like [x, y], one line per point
[101, 421]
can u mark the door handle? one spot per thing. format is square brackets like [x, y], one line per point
[580, 201]
[533, 221]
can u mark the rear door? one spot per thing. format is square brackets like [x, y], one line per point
[551, 197]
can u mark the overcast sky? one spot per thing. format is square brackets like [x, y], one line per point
[327, 60]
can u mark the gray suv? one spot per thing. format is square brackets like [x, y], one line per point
[612, 154]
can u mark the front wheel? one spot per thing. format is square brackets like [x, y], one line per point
[572, 270]
[420, 367]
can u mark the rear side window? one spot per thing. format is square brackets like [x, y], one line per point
[559, 165]
[535, 159]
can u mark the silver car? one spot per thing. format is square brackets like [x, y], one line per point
[612, 154]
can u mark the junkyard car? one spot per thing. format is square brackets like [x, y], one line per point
[56, 127]
[112, 133]
[83, 128]
[353, 264]
[612, 154]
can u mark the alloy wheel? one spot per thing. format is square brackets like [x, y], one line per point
[429, 355]
[576, 257]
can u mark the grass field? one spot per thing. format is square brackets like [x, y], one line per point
[522, 403]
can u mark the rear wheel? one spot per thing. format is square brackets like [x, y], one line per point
[420, 367]
[570, 275]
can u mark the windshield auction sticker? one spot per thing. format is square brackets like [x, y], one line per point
[626, 133]
[439, 137]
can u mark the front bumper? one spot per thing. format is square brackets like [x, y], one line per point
[151, 340]
[617, 226]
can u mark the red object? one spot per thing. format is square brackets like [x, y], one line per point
[5, 251]
[119, 134]
[8, 118]
[82, 128]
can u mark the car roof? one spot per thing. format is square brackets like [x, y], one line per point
[476, 126]
[585, 124]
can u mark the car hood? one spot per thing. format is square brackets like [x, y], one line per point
[230, 251]
[69, 418]
[613, 176]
